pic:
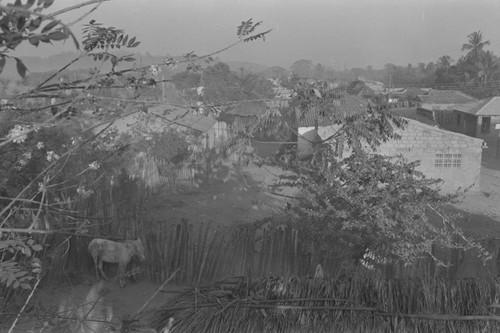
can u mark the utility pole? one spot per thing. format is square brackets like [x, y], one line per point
[390, 86]
[163, 86]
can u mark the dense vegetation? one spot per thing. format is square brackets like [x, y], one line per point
[476, 72]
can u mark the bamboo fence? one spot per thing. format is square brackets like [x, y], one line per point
[206, 252]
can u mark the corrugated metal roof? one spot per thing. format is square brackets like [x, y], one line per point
[485, 107]
[446, 97]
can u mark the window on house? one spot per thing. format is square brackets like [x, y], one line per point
[438, 163]
[458, 119]
[485, 125]
[448, 161]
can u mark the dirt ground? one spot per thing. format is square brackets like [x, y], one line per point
[487, 200]
[124, 301]
[244, 198]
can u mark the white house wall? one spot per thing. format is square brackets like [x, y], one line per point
[426, 144]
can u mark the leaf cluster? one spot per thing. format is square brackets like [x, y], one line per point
[20, 22]
[246, 29]
[99, 37]
[12, 272]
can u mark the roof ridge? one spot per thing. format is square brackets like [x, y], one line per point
[465, 95]
[491, 99]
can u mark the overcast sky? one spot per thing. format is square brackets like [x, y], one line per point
[356, 33]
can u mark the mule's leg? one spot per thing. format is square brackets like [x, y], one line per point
[121, 274]
[101, 270]
[95, 267]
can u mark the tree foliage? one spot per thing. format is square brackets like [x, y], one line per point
[25, 22]
[475, 73]
[57, 152]
[361, 204]
[220, 85]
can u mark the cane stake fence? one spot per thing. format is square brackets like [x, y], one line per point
[206, 252]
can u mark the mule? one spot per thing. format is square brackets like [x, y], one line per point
[103, 250]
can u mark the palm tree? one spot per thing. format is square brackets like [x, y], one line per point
[488, 67]
[445, 62]
[475, 46]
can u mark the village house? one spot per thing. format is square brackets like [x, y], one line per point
[207, 132]
[211, 131]
[453, 157]
[479, 119]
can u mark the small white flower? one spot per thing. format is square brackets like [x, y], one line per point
[52, 156]
[40, 145]
[41, 187]
[80, 190]
[155, 70]
[83, 192]
[94, 165]
[170, 63]
[27, 156]
[19, 133]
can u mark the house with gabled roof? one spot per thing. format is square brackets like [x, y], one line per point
[479, 119]
[437, 102]
[453, 157]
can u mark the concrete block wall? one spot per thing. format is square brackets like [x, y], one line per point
[423, 143]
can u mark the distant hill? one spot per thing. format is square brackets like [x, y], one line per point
[274, 72]
[249, 66]
[39, 65]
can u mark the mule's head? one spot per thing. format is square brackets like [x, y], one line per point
[139, 250]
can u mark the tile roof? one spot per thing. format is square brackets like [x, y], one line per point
[184, 118]
[347, 105]
[485, 107]
[446, 97]
[248, 109]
